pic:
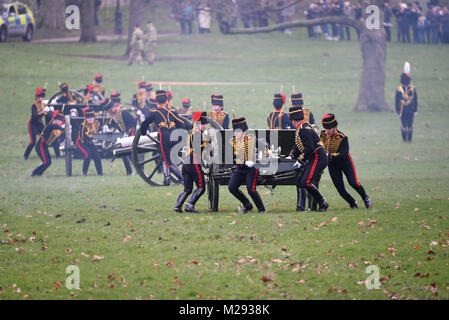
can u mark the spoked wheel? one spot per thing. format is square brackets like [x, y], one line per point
[148, 162]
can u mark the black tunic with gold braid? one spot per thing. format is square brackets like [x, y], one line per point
[309, 150]
[245, 150]
[222, 118]
[406, 106]
[165, 121]
[87, 147]
[279, 120]
[48, 136]
[340, 162]
[35, 125]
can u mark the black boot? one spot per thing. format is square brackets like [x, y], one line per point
[323, 205]
[181, 199]
[301, 199]
[367, 202]
[177, 173]
[166, 171]
[409, 134]
[247, 207]
[354, 206]
[190, 207]
[404, 134]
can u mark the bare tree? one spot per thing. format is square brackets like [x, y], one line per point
[373, 48]
[88, 21]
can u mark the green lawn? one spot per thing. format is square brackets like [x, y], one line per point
[143, 250]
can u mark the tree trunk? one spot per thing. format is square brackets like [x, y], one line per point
[373, 44]
[88, 21]
[136, 16]
[52, 15]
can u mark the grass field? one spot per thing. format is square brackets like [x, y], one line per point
[128, 243]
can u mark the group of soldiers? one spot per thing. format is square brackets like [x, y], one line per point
[143, 44]
[313, 150]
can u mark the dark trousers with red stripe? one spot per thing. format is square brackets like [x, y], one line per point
[346, 167]
[192, 173]
[314, 166]
[34, 129]
[248, 176]
[90, 152]
[44, 154]
[166, 145]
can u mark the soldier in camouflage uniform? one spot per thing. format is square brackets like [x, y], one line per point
[136, 46]
[150, 43]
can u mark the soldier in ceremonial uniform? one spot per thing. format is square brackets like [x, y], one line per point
[98, 87]
[278, 119]
[52, 131]
[165, 121]
[85, 142]
[122, 121]
[67, 96]
[340, 161]
[298, 101]
[191, 169]
[218, 115]
[406, 106]
[88, 98]
[139, 101]
[150, 43]
[244, 156]
[309, 150]
[136, 46]
[186, 108]
[35, 124]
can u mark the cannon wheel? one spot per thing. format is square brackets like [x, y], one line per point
[147, 159]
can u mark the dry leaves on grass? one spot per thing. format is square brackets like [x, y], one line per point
[268, 277]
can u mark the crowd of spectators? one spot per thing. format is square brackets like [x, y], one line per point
[410, 20]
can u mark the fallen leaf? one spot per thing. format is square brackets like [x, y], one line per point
[268, 277]
[56, 285]
[127, 238]
[111, 277]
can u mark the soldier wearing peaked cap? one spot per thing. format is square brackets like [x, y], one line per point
[217, 114]
[340, 161]
[165, 121]
[36, 124]
[85, 142]
[298, 101]
[49, 134]
[278, 119]
[191, 169]
[122, 121]
[309, 150]
[244, 146]
[406, 105]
